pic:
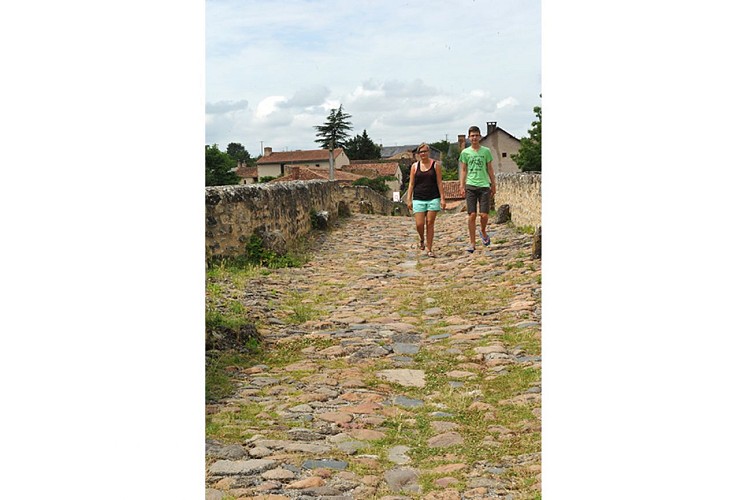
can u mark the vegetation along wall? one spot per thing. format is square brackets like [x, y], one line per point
[281, 212]
[523, 193]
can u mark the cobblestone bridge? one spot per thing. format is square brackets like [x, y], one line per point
[387, 374]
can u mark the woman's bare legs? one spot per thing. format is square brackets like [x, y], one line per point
[420, 226]
[430, 229]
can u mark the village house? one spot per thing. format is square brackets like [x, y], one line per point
[305, 173]
[501, 144]
[377, 168]
[278, 164]
[407, 152]
[248, 175]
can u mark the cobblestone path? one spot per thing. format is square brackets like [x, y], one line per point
[388, 374]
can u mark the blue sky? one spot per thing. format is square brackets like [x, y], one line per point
[406, 71]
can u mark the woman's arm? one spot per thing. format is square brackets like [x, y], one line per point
[439, 180]
[411, 185]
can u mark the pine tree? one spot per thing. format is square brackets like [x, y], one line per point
[335, 131]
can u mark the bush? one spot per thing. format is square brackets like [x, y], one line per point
[259, 255]
[378, 184]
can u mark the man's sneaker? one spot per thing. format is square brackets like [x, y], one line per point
[485, 240]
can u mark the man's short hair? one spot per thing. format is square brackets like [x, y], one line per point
[474, 128]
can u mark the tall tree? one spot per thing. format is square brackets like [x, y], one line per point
[442, 146]
[219, 167]
[361, 147]
[529, 157]
[336, 129]
[238, 152]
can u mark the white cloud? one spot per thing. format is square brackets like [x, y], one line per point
[507, 103]
[269, 105]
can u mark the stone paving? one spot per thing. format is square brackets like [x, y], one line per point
[390, 375]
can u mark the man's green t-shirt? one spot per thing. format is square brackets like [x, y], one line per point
[477, 161]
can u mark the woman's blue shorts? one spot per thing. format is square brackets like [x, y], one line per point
[425, 205]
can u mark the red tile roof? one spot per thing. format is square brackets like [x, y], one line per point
[313, 173]
[298, 156]
[451, 190]
[367, 169]
[247, 172]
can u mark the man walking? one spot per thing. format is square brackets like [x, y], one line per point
[477, 185]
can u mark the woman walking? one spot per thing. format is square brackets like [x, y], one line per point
[425, 195]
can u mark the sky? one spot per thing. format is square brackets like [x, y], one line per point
[406, 72]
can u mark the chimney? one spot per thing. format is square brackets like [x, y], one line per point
[266, 151]
[240, 163]
[295, 172]
[462, 142]
[491, 128]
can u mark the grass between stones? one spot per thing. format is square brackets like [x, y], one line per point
[238, 423]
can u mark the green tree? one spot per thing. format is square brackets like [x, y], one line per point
[238, 152]
[442, 146]
[335, 131]
[529, 157]
[378, 184]
[450, 163]
[361, 147]
[219, 167]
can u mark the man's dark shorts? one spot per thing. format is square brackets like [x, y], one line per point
[473, 194]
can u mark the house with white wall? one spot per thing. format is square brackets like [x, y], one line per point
[273, 164]
[376, 168]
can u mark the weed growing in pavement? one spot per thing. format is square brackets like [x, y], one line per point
[239, 423]
[218, 383]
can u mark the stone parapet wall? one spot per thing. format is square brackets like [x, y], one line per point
[523, 193]
[281, 212]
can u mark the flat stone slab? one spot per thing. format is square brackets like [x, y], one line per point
[324, 464]
[402, 348]
[366, 434]
[278, 473]
[398, 455]
[240, 467]
[445, 439]
[404, 376]
[308, 447]
[402, 479]
[408, 402]
[336, 417]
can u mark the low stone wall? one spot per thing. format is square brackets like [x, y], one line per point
[523, 193]
[281, 212]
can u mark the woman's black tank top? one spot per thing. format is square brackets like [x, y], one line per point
[426, 185]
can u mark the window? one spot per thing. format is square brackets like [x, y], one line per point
[503, 155]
